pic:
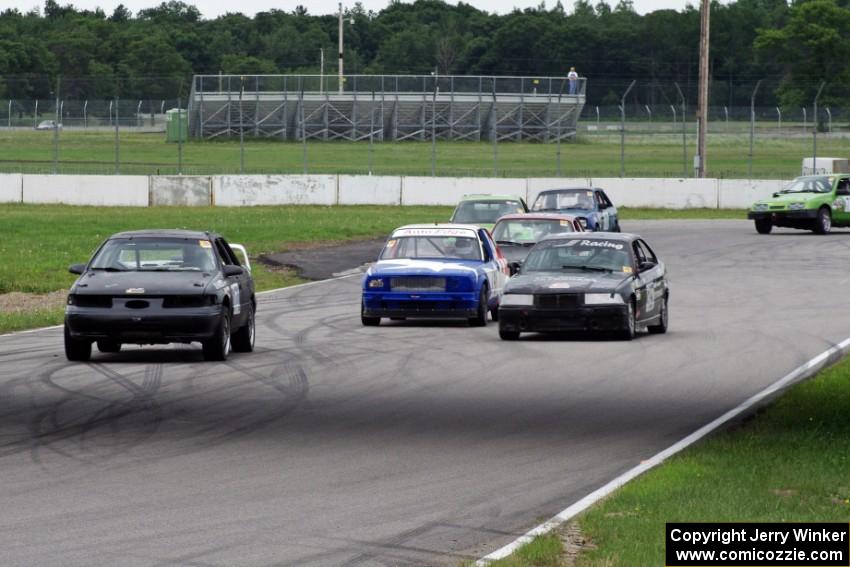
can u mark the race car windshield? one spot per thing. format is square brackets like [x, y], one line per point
[155, 254]
[580, 199]
[579, 255]
[432, 247]
[528, 231]
[477, 212]
[809, 184]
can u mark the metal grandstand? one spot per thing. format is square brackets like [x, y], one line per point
[385, 107]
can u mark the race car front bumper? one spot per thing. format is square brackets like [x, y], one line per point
[424, 304]
[587, 319]
[160, 326]
[779, 216]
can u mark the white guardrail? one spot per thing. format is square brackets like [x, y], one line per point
[251, 190]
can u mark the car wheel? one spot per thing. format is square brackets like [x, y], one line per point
[368, 321]
[661, 327]
[628, 332]
[823, 222]
[616, 227]
[506, 335]
[108, 346]
[480, 318]
[764, 226]
[218, 346]
[243, 339]
[494, 313]
[77, 350]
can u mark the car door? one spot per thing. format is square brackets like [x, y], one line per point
[601, 213]
[240, 285]
[495, 265]
[841, 202]
[611, 211]
[652, 279]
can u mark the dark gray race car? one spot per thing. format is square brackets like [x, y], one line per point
[587, 282]
[158, 287]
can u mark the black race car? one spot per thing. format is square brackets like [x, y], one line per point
[159, 287]
[587, 282]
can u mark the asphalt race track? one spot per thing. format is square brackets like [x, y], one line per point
[406, 444]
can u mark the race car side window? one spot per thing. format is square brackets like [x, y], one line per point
[223, 252]
[648, 253]
[605, 199]
[600, 201]
[485, 243]
[231, 253]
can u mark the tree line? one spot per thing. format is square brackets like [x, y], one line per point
[154, 52]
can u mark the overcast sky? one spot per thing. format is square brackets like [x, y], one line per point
[213, 8]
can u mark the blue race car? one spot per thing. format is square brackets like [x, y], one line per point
[592, 207]
[435, 271]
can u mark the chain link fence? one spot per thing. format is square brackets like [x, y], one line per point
[79, 132]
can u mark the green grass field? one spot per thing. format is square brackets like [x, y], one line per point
[596, 155]
[788, 464]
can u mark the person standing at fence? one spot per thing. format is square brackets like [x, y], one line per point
[573, 78]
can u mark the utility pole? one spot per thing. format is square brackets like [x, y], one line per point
[321, 70]
[340, 48]
[702, 113]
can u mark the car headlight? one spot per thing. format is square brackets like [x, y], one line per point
[760, 207]
[796, 206]
[602, 299]
[377, 282]
[518, 299]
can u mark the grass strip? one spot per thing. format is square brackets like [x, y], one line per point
[597, 155]
[788, 463]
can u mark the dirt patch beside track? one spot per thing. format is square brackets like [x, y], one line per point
[18, 302]
[320, 261]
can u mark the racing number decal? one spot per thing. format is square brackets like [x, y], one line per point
[234, 297]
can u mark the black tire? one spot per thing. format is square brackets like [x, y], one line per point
[617, 227]
[480, 318]
[368, 321]
[108, 346]
[76, 350]
[823, 222]
[218, 346]
[764, 226]
[494, 313]
[628, 332]
[661, 327]
[508, 335]
[243, 339]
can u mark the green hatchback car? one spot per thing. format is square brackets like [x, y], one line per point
[812, 202]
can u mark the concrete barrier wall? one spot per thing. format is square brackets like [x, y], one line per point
[448, 190]
[741, 193]
[100, 190]
[11, 188]
[184, 190]
[662, 193]
[369, 190]
[249, 190]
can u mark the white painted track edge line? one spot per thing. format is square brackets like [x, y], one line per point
[275, 290]
[803, 371]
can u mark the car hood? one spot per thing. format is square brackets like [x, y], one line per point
[552, 282]
[785, 198]
[573, 212]
[142, 283]
[425, 267]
